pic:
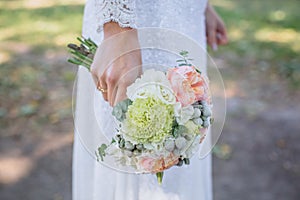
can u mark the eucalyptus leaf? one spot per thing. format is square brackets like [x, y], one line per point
[101, 152]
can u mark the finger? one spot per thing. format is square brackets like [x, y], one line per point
[221, 39]
[222, 33]
[211, 38]
[111, 85]
[121, 86]
[102, 85]
[99, 83]
[109, 92]
[126, 80]
[98, 80]
[95, 79]
[113, 94]
[121, 94]
[95, 72]
[104, 95]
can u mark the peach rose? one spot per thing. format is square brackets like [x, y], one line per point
[155, 165]
[189, 85]
[148, 163]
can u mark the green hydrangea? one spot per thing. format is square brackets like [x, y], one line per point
[148, 120]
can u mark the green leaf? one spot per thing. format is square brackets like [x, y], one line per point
[101, 152]
[113, 141]
[184, 64]
[186, 161]
[184, 53]
[197, 70]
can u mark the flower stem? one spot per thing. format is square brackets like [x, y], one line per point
[84, 53]
[159, 176]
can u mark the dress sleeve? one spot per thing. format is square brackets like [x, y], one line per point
[120, 11]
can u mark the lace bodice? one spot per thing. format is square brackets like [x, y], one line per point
[135, 13]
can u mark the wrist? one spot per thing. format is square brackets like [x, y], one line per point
[113, 28]
[209, 9]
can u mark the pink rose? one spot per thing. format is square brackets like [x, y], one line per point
[159, 164]
[148, 163]
[189, 85]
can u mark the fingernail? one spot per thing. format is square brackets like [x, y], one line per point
[214, 47]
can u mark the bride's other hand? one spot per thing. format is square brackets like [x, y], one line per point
[117, 62]
[215, 28]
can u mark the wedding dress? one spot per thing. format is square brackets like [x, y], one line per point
[95, 181]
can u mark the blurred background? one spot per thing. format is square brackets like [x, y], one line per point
[257, 156]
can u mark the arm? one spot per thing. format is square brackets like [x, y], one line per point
[114, 71]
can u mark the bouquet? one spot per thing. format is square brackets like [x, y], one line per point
[163, 119]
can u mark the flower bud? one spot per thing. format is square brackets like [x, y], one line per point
[122, 143]
[117, 112]
[198, 121]
[186, 161]
[169, 145]
[206, 124]
[129, 146]
[176, 152]
[197, 113]
[136, 152]
[188, 137]
[206, 111]
[139, 146]
[180, 163]
[118, 138]
[203, 103]
[180, 142]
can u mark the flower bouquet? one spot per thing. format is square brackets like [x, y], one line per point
[163, 119]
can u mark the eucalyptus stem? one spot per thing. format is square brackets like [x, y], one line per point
[185, 59]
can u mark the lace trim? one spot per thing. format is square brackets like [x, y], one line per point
[120, 11]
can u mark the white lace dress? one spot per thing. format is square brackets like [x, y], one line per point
[94, 181]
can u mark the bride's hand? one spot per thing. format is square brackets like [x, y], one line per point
[117, 62]
[215, 28]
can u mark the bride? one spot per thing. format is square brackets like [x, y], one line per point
[103, 19]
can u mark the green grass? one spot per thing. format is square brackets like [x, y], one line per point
[35, 79]
[265, 32]
[49, 27]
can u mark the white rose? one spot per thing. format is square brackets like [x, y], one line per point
[152, 83]
[183, 114]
